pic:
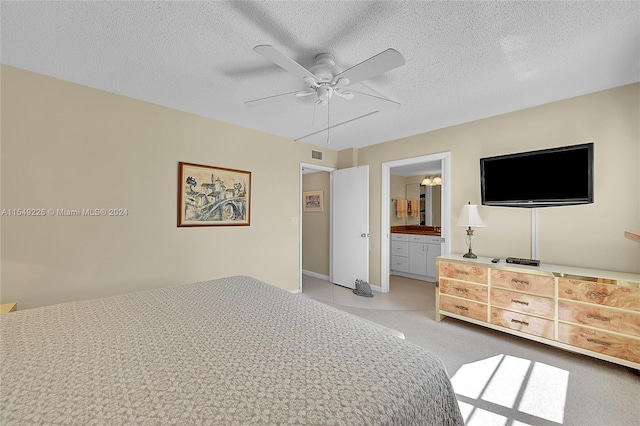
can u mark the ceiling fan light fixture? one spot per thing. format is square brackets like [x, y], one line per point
[324, 92]
[342, 81]
[311, 82]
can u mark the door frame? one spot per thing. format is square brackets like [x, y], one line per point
[323, 169]
[385, 222]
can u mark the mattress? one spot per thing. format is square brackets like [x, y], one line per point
[233, 351]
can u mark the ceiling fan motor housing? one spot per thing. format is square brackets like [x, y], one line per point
[325, 68]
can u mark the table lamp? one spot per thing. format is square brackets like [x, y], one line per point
[469, 217]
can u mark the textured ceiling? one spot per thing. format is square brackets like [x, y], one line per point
[464, 61]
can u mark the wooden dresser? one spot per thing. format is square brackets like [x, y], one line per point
[589, 311]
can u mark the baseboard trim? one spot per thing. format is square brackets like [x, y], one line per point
[327, 278]
[376, 288]
[316, 275]
[414, 276]
[295, 291]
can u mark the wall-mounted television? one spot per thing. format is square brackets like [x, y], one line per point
[550, 177]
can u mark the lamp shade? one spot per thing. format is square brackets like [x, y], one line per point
[469, 217]
[426, 182]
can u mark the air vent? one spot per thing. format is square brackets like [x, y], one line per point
[316, 155]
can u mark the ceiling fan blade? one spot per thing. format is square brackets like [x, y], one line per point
[304, 93]
[269, 99]
[333, 126]
[378, 64]
[284, 62]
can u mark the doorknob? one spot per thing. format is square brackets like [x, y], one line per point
[363, 235]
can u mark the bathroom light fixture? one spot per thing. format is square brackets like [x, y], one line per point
[431, 181]
[469, 217]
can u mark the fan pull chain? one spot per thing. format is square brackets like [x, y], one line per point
[328, 127]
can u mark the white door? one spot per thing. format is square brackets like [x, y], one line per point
[350, 229]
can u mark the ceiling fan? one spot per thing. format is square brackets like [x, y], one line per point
[325, 79]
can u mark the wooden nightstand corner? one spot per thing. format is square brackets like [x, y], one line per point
[5, 308]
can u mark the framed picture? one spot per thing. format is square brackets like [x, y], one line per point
[313, 201]
[213, 196]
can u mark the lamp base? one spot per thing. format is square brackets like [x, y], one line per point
[470, 255]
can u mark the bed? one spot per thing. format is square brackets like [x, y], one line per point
[232, 351]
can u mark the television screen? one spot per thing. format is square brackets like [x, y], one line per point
[550, 177]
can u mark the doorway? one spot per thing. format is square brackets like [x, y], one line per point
[444, 160]
[315, 255]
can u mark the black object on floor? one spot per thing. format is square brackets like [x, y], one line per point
[363, 289]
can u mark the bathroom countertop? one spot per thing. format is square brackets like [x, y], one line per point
[416, 229]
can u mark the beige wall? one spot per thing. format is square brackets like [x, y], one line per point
[72, 147]
[585, 236]
[436, 205]
[316, 226]
[69, 146]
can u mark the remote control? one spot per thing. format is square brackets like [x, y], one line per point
[495, 260]
[522, 261]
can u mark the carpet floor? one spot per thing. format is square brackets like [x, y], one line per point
[500, 379]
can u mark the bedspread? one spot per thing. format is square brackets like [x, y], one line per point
[232, 351]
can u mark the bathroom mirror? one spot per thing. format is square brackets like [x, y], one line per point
[429, 200]
[405, 187]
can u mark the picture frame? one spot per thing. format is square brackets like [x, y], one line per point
[313, 201]
[213, 196]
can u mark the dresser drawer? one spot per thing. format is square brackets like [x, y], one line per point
[521, 322]
[475, 292]
[399, 248]
[600, 341]
[526, 303]
[600, 294]
[399, 237]
[599, 317]
[459, 271]
[463, 307]
[538, 284]
[399, 263]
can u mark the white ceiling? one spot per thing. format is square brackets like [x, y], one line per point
[464, 61]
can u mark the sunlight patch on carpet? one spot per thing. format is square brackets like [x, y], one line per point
[504, 389]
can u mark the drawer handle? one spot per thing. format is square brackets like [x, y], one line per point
[517, 281]
[520, 302]
[605, 319]
[597, 293]
[458, 271]
[463, 308]
[599, 342]
[461, 290]
[520, 322]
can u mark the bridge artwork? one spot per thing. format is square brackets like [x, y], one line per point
[225, 210]
[213, 196]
